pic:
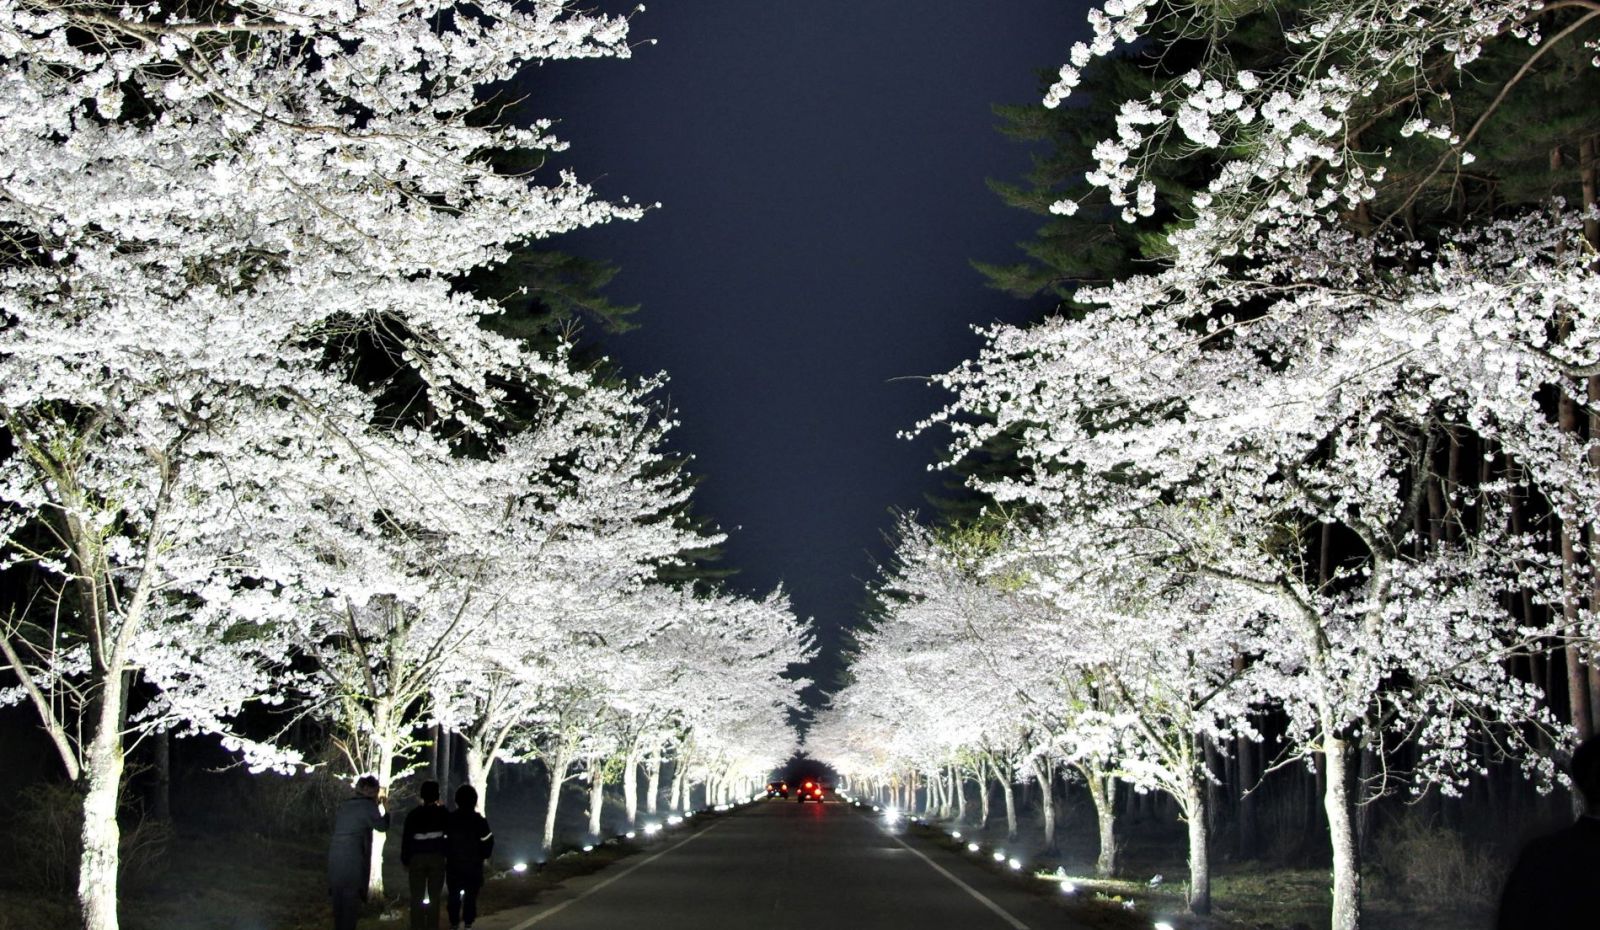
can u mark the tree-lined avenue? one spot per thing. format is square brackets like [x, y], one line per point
[779, 865]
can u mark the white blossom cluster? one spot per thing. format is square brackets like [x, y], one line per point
[1290, 159]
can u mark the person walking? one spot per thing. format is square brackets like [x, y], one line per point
[350, 851]
[470, 843]
[422, 852]
[1552, 886]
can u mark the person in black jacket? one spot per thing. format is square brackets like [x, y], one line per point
[422, 851]
[470, 844]
[350, 851]
[1552, 886]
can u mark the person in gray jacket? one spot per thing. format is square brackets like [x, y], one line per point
[350, 852]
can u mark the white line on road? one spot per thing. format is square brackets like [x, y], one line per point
[982, 899]
[556, 909]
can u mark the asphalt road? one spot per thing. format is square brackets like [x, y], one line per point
[777, 865]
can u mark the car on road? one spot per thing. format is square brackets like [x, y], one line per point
[810, 790]
[777, 789]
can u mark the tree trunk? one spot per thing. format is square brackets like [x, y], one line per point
[1194, 810]
[679, 766]
[1577, 675]
[103, 766]
[1368, 772]
[652, 770]
[1319, 791]
[384, 741]
[630, 787]
[478, 763]
[161, 794]
[1216, 769]
[558, 777]
[1103, 791]
[435, 763]
[1567, 420]
[1589, 176]
[597, 797]
[1339, 804]
[1011, 804]
[958, 785]
[1249, 839]
[1045, 773]
[983, 796]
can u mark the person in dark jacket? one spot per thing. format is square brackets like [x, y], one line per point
[1552, 886]
[350, 852]
[422, 852]
[470, 843]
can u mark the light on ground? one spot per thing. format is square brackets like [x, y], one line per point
[1163, 925]
[1016, 864]
[651, 829]
[631, 834]
[1069, 888]
[589, 848]
[674, 820]
[955, 834]
[972, 847]
[1000, 855]
[520, 867]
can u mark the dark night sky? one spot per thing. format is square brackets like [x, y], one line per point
[822, 170]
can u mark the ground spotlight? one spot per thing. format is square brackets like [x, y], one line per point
[589, 848]
[651, 829]
[520, 867]
[1016, 864]
[1000, 855]
[972, 847]
[1162, 925]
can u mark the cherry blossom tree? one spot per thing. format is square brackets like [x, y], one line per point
[1147, 654]
[1325, 404]
[147, 507]
[579, 520]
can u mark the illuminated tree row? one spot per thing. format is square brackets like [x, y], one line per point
[213, 221]
[1307, 468]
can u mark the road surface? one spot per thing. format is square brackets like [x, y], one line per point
[778, 865]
